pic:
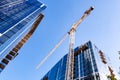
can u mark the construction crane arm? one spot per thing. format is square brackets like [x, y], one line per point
[52, 51]
[86, 13]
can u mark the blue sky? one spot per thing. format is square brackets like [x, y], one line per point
[102, 27]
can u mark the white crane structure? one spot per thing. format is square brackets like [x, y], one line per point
[70, 59]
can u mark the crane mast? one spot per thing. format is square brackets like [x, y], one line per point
[70, 59]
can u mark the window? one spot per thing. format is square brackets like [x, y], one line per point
[14, 29]
[9, 33]
[3, 38]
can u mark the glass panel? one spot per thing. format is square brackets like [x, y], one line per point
[3, 39]
[9, 33]
[14, 29]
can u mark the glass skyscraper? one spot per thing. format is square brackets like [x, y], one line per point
[89, 64]
[17, 18]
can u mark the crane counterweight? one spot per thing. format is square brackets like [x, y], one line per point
[89, 10]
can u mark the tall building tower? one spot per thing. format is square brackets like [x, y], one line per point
[18, 21]
[89, 64]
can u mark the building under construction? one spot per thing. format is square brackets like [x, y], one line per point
[89, 64]
[18, 21]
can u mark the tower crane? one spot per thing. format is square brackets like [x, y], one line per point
[70, 59]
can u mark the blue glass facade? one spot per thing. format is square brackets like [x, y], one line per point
[88, 65]
[58, 71]
[85, 66]
[16, 19]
